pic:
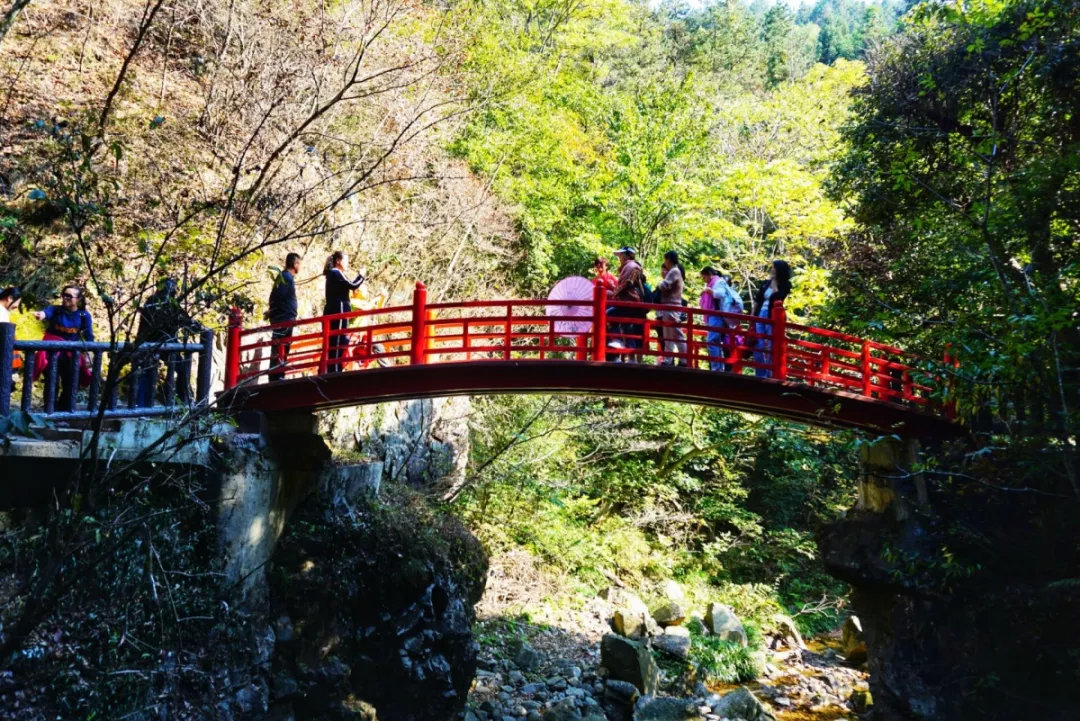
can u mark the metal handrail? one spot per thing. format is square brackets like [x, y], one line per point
[82, 358]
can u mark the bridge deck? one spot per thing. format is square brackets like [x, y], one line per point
[763, 396]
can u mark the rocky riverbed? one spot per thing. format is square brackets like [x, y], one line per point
[582, 670]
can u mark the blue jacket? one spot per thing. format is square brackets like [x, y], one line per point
[69, 325]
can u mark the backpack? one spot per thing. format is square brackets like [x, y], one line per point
[648, 294]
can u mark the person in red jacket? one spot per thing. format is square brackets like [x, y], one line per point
[602, 274]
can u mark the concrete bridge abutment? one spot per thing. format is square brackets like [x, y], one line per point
[263, 474]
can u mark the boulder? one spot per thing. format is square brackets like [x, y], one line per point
[787, 630]
[854, 641]
[618, 700]
[401, 629]
[681, 631]
[673, 645]
[721, 621]
[673, 592]
[742, 705]
[627, 660]
[525, 656]
[668, 709]
[562, 711]
[669, 614]
[631, 618]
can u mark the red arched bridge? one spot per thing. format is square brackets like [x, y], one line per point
[765, 366]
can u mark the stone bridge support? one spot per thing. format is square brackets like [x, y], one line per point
[263, 475]
[967, 604]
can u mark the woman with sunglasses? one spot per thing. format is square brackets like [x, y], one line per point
[67, 321]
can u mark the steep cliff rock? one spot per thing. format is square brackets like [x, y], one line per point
[968, 605]
[419, 442]
[376, 612]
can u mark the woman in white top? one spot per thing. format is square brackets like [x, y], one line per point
[9, 301]
[671, 293]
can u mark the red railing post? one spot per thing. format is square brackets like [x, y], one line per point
[779, 340]
[232, 348]
[691, 344]
[324, 340]
[950, 400]
[866, 385]
[508, 332]
[735, 356]
[419, 344]
[599, 319]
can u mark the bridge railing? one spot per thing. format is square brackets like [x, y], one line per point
[83, 367]
[597, 330]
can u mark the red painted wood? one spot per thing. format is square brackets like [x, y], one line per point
[779, 340]
[232, 348]
[762, 396]
[490, 333]
[599, 321]
[324, 346]
[864, 368]
[508, 334]
[419, 325]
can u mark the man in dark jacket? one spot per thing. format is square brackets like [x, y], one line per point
[160, 321]
[283, 310]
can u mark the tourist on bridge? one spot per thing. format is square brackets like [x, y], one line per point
[670, 292]
[776, 288]
[283, 309]
[9, 301]
[630, 288]
[338, 288]
[160, 321]
[601, 273]
[714, 339]
[68, 321]
[719, 295]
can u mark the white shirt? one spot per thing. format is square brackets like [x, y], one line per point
[5, 314]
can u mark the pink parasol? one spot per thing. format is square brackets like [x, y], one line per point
[573, 288]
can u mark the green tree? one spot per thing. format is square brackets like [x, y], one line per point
[964, 167]
[775, 31]
[872, 29]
